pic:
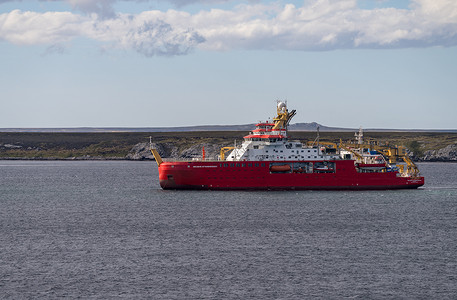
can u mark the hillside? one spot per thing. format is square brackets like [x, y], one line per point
[134, 145]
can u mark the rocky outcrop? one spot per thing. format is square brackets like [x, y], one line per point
[141, 151]
[196, 151]
[9, 146]
[448, 153]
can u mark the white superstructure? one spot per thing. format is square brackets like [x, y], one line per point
[269, 142]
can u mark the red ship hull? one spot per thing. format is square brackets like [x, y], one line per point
[257, 175]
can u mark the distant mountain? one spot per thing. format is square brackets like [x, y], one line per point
[313, 127]
[246, 127]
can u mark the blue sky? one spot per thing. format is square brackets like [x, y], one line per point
[345, 63]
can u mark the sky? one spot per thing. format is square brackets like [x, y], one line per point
[165, 63]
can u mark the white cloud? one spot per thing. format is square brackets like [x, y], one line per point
[145, 33]
[317, 25]
[328, 25]
[30, 28]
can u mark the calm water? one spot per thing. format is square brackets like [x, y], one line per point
[106, 230]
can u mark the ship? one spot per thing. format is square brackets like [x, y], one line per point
[268, 160]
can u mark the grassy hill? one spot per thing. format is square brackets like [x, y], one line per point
[116, 145]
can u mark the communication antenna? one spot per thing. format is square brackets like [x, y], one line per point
[317, 137]
[359, 136]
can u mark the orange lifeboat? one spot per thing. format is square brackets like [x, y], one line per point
[280, 168]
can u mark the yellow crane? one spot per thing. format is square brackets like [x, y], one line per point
[284, 116]
[155, 153]
[157, 157]
[224, 150]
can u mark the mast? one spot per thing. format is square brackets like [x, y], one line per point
[359, 136]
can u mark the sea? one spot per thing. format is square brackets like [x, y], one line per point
[105, 230]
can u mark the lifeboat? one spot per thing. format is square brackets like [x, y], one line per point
[371, 166]
[280, 168]
[324, 169]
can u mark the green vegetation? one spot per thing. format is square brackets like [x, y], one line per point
[116, 145]
[416, 148]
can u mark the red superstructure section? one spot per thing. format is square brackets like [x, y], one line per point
[264, 136]
[266, 131]
[258, 175]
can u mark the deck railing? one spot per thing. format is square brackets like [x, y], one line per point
[190, 159]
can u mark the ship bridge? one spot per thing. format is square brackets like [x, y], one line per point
[272, 131]
[268, 141]
[265, 132]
